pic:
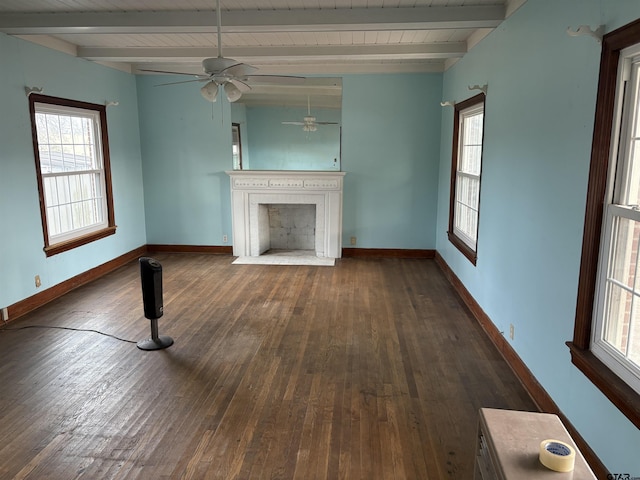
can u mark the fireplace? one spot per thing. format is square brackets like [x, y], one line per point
[254, 192]
[287, 227]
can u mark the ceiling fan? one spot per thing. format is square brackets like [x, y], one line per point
[309, 123]
[233, 76]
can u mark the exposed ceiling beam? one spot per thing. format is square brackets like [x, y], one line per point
[313, 68]
[286, 53]
[247, 21]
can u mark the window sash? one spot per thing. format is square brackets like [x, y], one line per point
[617, 312]
[465, 216]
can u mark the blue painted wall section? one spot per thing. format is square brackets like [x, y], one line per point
[186, 147]
[21, 237]
[540, 106]
[390, 150]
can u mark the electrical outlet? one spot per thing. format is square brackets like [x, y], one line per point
[224, 239]
[38, 282]
[511, 331]
[353, 240]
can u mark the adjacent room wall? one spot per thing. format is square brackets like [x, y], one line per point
[390, 151]
[539, 117]
[21, 237]
[186, 147]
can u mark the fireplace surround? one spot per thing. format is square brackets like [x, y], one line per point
[252, 190]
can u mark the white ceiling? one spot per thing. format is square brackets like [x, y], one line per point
[277, 36]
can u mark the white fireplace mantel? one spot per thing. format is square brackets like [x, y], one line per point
[252, 188]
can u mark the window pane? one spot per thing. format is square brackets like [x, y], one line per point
[473, 129]
[45, 158]
[68, 158]
[617, 317]
[53, 129]
[466, 220]
[66, 218]
[62, 184]
[467, 190]
[631, 191]
[470, 158]
[50, 191]
[53, 220]
[78, 130]
[624, 250]
[41, 128]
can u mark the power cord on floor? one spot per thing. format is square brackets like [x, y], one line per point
[5, 328]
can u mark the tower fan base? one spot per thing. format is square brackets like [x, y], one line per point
[155, 343]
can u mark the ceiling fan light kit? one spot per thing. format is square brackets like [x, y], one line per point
[233, 92]
[210, 91]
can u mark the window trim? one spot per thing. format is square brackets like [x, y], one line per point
[110, 229]
[613, 387]
[465, 249]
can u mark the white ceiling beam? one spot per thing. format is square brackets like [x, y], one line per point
[313, 68]
[274, 53]
[248, 21]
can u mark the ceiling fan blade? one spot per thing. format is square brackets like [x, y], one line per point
[293, 123]
[275, 79]
[183, 81]
[170, 73]
[243, 87]
[326, 123]
[240, 69]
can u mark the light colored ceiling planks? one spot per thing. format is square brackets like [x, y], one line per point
[279, 36]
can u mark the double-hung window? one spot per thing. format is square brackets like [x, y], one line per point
[466, 168]
[616, 333]
[606, 343]
[72, 165]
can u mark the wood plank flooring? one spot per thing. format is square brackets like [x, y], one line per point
[371, 369]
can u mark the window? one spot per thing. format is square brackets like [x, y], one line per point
[72, 166]
[466, 168]
[606, 342]
[236, 146]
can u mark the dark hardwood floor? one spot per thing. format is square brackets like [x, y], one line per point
[372, 369]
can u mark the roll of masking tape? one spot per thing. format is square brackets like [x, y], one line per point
[557, 456]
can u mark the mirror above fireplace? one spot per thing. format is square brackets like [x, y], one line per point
[290, 127]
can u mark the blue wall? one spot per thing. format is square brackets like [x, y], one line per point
[186, 147]
[390, 151]
[538, 131]
[391, 144]
[21, 237]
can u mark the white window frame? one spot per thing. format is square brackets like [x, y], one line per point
[103, 224]
[626, 119]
